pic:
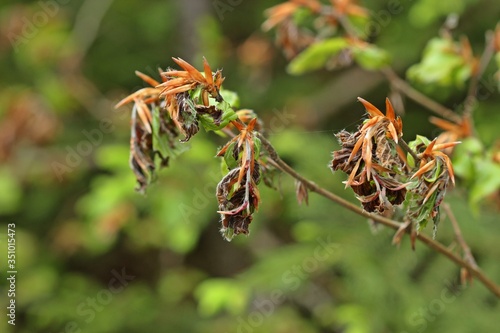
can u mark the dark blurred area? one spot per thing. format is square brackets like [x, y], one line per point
[95, 256]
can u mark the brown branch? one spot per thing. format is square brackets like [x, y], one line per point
[402, 143]
[489, 50]
[418, 97]
[459, 237]
[474, 270]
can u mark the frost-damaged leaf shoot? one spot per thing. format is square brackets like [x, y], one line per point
[168, 114]
[382, 176]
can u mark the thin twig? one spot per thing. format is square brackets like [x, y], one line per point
[458, 236]
[87, 23]
[475, 271]
[342, 19]
[418, 97]
[488, 52]
[402, 143]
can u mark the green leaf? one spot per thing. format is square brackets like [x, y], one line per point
[487, 181]
[437, 172]
[419, 140]
[228, 114]
[302, 16]
[465, 157]
[410, 160]
[371, 57]
[230, 97]
[257, 146]
[229, 159]
[440, 66]
[317, 55]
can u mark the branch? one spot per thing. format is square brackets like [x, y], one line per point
[489, 50]
[458, 236]
[402, 143]
[474, 270]
[418, 97]
[87, 23]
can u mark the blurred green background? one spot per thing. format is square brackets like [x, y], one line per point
[95, 256]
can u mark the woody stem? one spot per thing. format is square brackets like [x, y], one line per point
[402, 143]
[402, 86]
[474, 270]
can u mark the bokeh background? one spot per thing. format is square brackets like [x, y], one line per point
[95, 256]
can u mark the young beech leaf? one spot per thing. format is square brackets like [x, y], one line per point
[371, 57]
[229, 158]
[317, 55]
[435, 175]
[441, 65]
[231, 98]
[257, 146]
[486, 182]
[218, 117]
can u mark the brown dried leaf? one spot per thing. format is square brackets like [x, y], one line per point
[301, 192]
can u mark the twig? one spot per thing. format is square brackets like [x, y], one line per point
[459, 237]
[343, 20]
[87, 22]
[489, 50]
[474, 270]
[418, 97]
[402, 143]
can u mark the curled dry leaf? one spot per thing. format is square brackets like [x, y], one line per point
[168, 109]
[452, 131]
[301, 192]
[370, 158]
[237, 192]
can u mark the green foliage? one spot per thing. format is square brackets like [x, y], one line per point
[477, 167]
[370, 57]
[322, 53]
[441, 69]
[74, 227]
[427, 12]
[317, 55]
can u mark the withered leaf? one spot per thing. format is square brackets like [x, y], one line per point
[301, 192]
